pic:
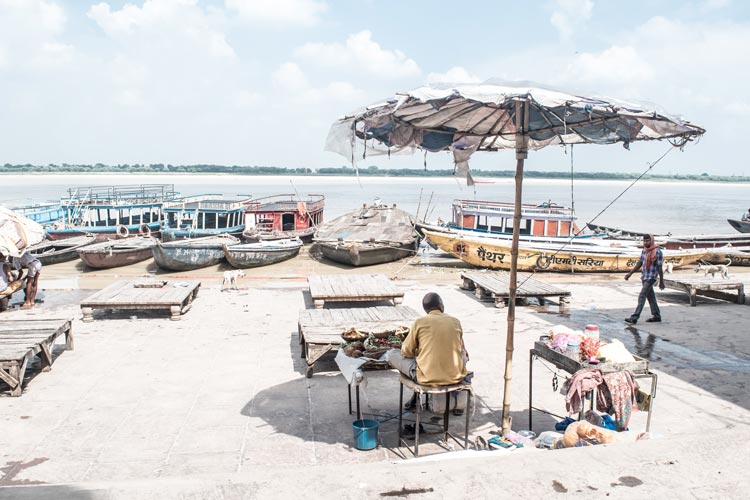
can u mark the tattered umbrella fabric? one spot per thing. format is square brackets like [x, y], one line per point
[468, 118]
[17, 232]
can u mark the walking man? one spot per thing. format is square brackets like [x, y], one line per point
[650, 265]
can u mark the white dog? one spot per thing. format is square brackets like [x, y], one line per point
[231, 277]
[723, 269]
[668, 267]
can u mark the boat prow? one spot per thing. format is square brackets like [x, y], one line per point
[263, 253]
[186, 255]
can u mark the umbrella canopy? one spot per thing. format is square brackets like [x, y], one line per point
[467, 118]
[17, 232]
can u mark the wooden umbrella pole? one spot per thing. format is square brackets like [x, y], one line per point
[522, 122]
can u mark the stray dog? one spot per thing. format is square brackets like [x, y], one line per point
[231, 277]
[714, 268]
[668, 267]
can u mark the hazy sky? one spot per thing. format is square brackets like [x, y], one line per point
[258, 82]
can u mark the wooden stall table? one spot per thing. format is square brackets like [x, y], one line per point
[639, 368]
[143, 294]
[319, 330]
[352, 288]
[23, 338]
[714, 287]
[496, 286]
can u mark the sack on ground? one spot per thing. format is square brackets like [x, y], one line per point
[456, 400]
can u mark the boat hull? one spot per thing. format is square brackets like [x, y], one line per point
[112, 256]
[191, 254]
[305, 235]
[241, 257]
[103, 233]
[56, 252]
[740, 225]
[168, 235]
[366, 254]
[481, 253]
[733, 256]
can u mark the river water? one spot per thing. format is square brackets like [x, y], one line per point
[649, 206]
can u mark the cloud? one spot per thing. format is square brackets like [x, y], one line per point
[279, 12]
[570, 15]
[456, 74]
[30, 32]
[293, 80]
[616, 64]
[163, 25]
[290, 76]
[362, 53]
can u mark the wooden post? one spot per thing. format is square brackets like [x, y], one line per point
[522, 140]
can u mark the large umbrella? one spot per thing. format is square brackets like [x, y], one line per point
[464, 119]
[17, 232]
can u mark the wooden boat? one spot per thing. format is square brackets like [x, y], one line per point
[112, 212]
[42, 213]
[492, 218]
[373, 234]
[203, 215]
[262, 253]
[283, 216]
[618, 233]
[185, 255]
[735, 256]
[116, 253]
[742, 226]
[680, 242]
[53, 252]
[482, 252]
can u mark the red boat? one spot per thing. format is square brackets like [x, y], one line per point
[283, 216]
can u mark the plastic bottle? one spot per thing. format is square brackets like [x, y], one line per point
[592, 331]
[574, 347]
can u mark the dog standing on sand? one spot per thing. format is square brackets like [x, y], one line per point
[231, 277]
[706, 268]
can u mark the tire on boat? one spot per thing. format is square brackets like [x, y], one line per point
[122, 231]
[543, 261]
[144, 230]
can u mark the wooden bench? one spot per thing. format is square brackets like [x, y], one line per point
[143, 294]
[22, 339]
[319, 330]
[352, 288]
[707, 285]
[495, 286]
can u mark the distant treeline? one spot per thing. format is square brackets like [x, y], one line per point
[160, 168]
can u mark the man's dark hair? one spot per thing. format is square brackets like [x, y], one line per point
[432, 302]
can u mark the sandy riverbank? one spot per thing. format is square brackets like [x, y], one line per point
[145, 407]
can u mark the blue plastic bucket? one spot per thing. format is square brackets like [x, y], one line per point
[365, 434]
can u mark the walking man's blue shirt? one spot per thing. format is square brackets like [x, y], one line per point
[651, 272]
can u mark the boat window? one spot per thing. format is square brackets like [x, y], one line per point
[482, 223]
[525, 226]
[287, 222]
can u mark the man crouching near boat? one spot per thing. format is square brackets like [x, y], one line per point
[433, 353]
[33, 267]
[8, 283]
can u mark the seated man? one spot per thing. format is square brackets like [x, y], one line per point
[34, 267]
[433, 353]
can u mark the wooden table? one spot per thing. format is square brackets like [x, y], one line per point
[708, 286]
[495, 286]
[352, 288]
[22, 339]
[320, 330]
[143, 294]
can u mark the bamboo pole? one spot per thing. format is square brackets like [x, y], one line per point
[522, 124]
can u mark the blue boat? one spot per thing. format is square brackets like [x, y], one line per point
[204, 215]
[111, 212]
[42, 213]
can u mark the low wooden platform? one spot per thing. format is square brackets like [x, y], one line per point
[709, 286]
[352, 288]
[320, 330]
[22, 339]
[495, 286]
[143, 294]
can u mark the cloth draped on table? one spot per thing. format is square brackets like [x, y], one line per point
[616, 395]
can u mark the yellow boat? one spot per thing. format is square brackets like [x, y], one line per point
[495, 254]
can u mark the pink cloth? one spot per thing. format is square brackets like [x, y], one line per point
[581, 383]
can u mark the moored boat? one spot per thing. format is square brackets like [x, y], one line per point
[203, 215]
[481, 252]
[283, 216]
[116, 253]
[742, 226]
[373, 234]
[735, 256]
[671, 241]
[56, 251]
[185, 255]
[111, 212]
[262, 253]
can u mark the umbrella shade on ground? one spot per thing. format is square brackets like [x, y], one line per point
[17, 232]
[464, 119]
